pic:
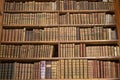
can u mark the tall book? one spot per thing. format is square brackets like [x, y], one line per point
[43, 69]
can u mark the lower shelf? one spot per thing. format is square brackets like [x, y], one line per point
[68, 79]
[93, 79]
[61, 70]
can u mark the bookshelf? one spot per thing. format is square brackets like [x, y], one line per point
[59, 40]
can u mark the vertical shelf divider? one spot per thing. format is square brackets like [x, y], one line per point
[117, 13]
[1, 18]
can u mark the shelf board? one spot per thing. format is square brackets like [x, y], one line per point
[29, 26]
[27, 59]
[71, 79]
[94, 79]
[92, 58]
[60, 25]
[35, 0]
[87, 25]
[62, 42]
[29, 42]
[59, 58]
[31, 11]
[86, 11]
[60, 11]
[93, 41]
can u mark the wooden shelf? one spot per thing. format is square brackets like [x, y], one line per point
[92, 41]
[93, 79]
[26, 59]
[60, 58]
[61, 25]
[73, 79]
[29, 26]
[56, 42]
[87, 25]
[93, 58]
[29, 42]
[70, 79]
[86, 11]
[60, 11]
[31, 79]
[31, 11]
[27, 0]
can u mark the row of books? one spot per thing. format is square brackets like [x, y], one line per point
[69, 69]
[95, 51]
[30, 19]
[46, 34]
[87, 69]
[61, 5]
[94, 33]
[45, 69]
[29, 71]
[7, 71]
[43, 19]
[65, 33]
[87, 18]
[66, 50]
[30, 5]
[26, 51]
[13, 34]
[83, 50]
[85, 5]
[97, 33]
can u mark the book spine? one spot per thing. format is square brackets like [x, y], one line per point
[43, 69]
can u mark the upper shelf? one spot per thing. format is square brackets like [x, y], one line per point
[86, 11]
[57, 42]
[87, 25]
[60, 11]
[59, 58]
[58, 25]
